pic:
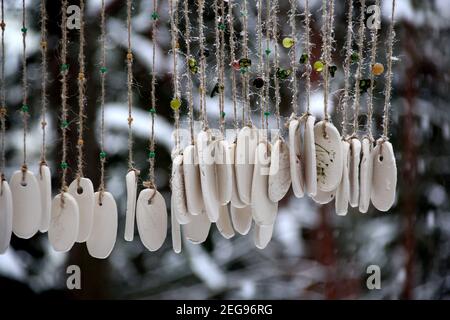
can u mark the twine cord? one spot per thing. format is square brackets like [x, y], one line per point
[233, 58]
[219, 44]
[3, 110]
[267, 68]
[308, 54]
[81, 96]
[325, 49]
[347, 64]
[102, 101]
[25, 111]
[202, 89]
[187, 37]
[176, 94]
[64, 106]
[359, 67]
[130, 89]
[246, 112]
[44, 79]
[275, 8]
[293, 56]
[389, 74]
[259, 27]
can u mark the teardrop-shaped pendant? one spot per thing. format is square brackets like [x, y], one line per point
[83, 193]
[104, 228]
[235, 199]
[151, 218]
[64, 221]
[366, 168]
[328, 156]
[384, 179]
[191, 172]
[26, 200]
[309, 155]
[6, 216]
[355, 157]
[242, 219]
[224, 172]
[197, 230]
[45, 187]
[280, 172]
[342, 191]
[223, 224]
[178, 191]
[131, 182]
[263, 235]
[175, 231]
[295, 165]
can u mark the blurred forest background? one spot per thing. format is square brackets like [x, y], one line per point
[313, 254]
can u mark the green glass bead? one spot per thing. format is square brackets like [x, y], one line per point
[283, 74]
[288, 42]
[332, 70]
[354, 57]
[102, 155]
[24, 30]
[268, 51]
[24, 108]
[64, 67]
[221, 26]
[175, 104]
[318, 66]
[243, 13]
[103, 69]
[223, 114]
[245, 63]
[267, 113]
[155, 16]
[152, 110]
[64, 124]
[64, 165]
[193, 65]
[243, 70]
[152, 154]
[304, 58]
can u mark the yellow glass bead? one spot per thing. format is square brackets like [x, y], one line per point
[318, 66]
[377, 69]
[288, 42]
[175, 104]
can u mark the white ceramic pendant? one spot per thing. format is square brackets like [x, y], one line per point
[295, 160]
[206, 146]
[6, 216]
[178, 191]
[309, 155]
[104, 229]
[247, 141]
[175, 231]
[26, 200]
[223, 172]
[384, 179]
[45, 187]
[355, 157]
[242, 219]
[342, 191]
[235, 199]
[197, 230]
[193, 187]
[151, 219]
[263, 235]
[365, 176]
[264, 211]
[224, 223]
[64, 221]
[131, 182]
[328, 156]
[323, 197]
[280, 172]
[83, 193]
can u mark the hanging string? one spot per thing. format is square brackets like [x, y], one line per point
[152, 146]
[267, 69]
[202, 76]
[325, 49]
[64, 107]
[219, 43]
[187, 37]
[293, 56]
[347, 65]
[275, 9]
[246, 112]
[307, 73]
[233, 59]
[102, 100]
[25, 107]
[3, 109]
[373, 57]
[359, 67]
[175, 103]
[260, 59]
[130, 89]
[389, 74]
[44, 79]
[81, 95]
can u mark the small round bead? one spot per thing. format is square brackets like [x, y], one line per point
[175, 104]
[267, 113]
[25, 108]
[64, 165]
[355, 57]
[377, 69]
[288, 42]
[130, 120]
[152, 110]
[44, 44]
[268, 51]
[245, 63]
[155, 16]
[24, 30]
[223, 114]
[81, 76]
[221, 26]
[102, 155]
[64, 124]
[318, 66]
[258, 82]
[80, 142]
[235, 65]
[129, 56]
[64, 67]
[103, 69]
[152, 154]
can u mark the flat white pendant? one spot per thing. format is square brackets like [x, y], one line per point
[365, 176]
[355, 157]
[45, 186]
[323, 197]
[6, 216]
[197, 230]
[83, 193]
[242, 219]
[205, 148]
[247, 141]
[264, 211]
[63, 228]
[235, 199]
[223, 224]
[224, 172]
[280, 172]
[295, 159]
[176, 231]
[342, 191]
[328, 156]
[193, 187]
[309, 155]
[263, 235]
[131, 181]
[27, 206]
[104, 229]
[151, 219]
[178, 191]
[384, 179]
